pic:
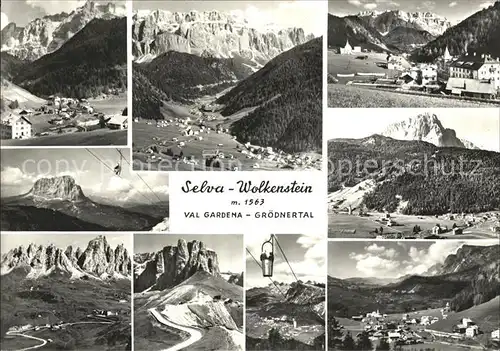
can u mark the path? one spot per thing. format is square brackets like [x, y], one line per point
[43, 341]
[195, 334]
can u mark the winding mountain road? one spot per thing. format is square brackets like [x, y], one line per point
[195, 334]
[43, 341]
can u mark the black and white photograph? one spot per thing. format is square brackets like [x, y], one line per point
[413, 296]
[66, 292]
[64, 73]
[188, 292]
[413, 173]
[413, 53]
[227, 85]
[80, 190]
[285, 291]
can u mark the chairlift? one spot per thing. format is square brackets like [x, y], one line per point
[118, 168]
[267, 257]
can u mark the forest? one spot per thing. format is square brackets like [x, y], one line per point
[479, 33]
[434, 180]
[289, 91]
[92, 62]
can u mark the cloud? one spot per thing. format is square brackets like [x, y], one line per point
[356, 3]
[453, 4]
[4, 20]
[430, 5]
[486, 4]
[370, 6]
[56, 6]
[13, 176]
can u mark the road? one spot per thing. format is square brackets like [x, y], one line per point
[43, 341]
[195, 334]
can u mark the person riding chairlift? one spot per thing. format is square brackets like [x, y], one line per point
[118, 169]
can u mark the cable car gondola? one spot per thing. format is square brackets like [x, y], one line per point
[267, 257]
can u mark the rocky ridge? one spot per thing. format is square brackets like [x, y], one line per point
[98, 260]
[44, 35]
[60, 188]
[209, 33]
[426, 127]
[174, 264]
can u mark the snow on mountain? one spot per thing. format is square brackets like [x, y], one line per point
[426, 127]
[213, 33]
[386, 21]
[47, 34]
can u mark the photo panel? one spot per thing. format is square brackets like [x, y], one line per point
[413, 295]
[413, 54]
[80, 190]
[188, 292]
[221, 86]
[285, 281]
[413, 173]
[66, 291]
[64, 73]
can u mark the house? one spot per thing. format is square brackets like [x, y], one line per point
[436, 229]
[470, 87]
[472, 331]
[495, 334]
[15, 127]
[429, 73]
[88, 109]
[347, 49]
[478, 67]
[118, 122]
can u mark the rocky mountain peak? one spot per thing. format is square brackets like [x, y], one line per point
[426, 127]
[97, 259]
[61, 188]
[174, 264]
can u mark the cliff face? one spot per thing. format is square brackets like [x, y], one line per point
[98, 260]
[62, 188]
[210, 33]
[174, 264]
[45, 35]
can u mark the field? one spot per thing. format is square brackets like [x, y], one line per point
[352, 96]
[93, 138]
[348, 64]
[343, 225]
[113, 105]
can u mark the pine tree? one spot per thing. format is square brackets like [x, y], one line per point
[348, 342]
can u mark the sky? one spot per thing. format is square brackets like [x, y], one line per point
[306, 14]
[22, 12]
[229, 247]
[61, 240]
[305, 252]
[390, 259]
[454, 10]
[21, 168]
[480, 126]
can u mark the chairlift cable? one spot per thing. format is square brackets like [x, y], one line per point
[140, 176]
[284, 256]
[108, 167]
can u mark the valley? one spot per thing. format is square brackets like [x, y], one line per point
[397, 58]
[434, 309]
[66, 298]
[64, 83]
[256, 106]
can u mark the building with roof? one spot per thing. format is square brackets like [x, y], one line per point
[347, 49]
[15, 127]
[479, 67]
[447, 56]
[470, 87]
[118, 122]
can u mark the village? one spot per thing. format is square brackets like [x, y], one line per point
[412, 328]
[204, 142]
[469, 76]
[58, 116]
[360, 221]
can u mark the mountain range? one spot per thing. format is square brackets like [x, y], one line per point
[44, 35]
[183, 284]
[209, 34]
[425, 35]
[98, 260]
[62, 200]
[417, 161]
[466, 279]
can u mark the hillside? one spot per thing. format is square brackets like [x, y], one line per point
[11, 65]
[406, 39]
[417, 172]
[90, 63]
[357, 31]
[479, 33]
[288, 91]
[12, 92]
